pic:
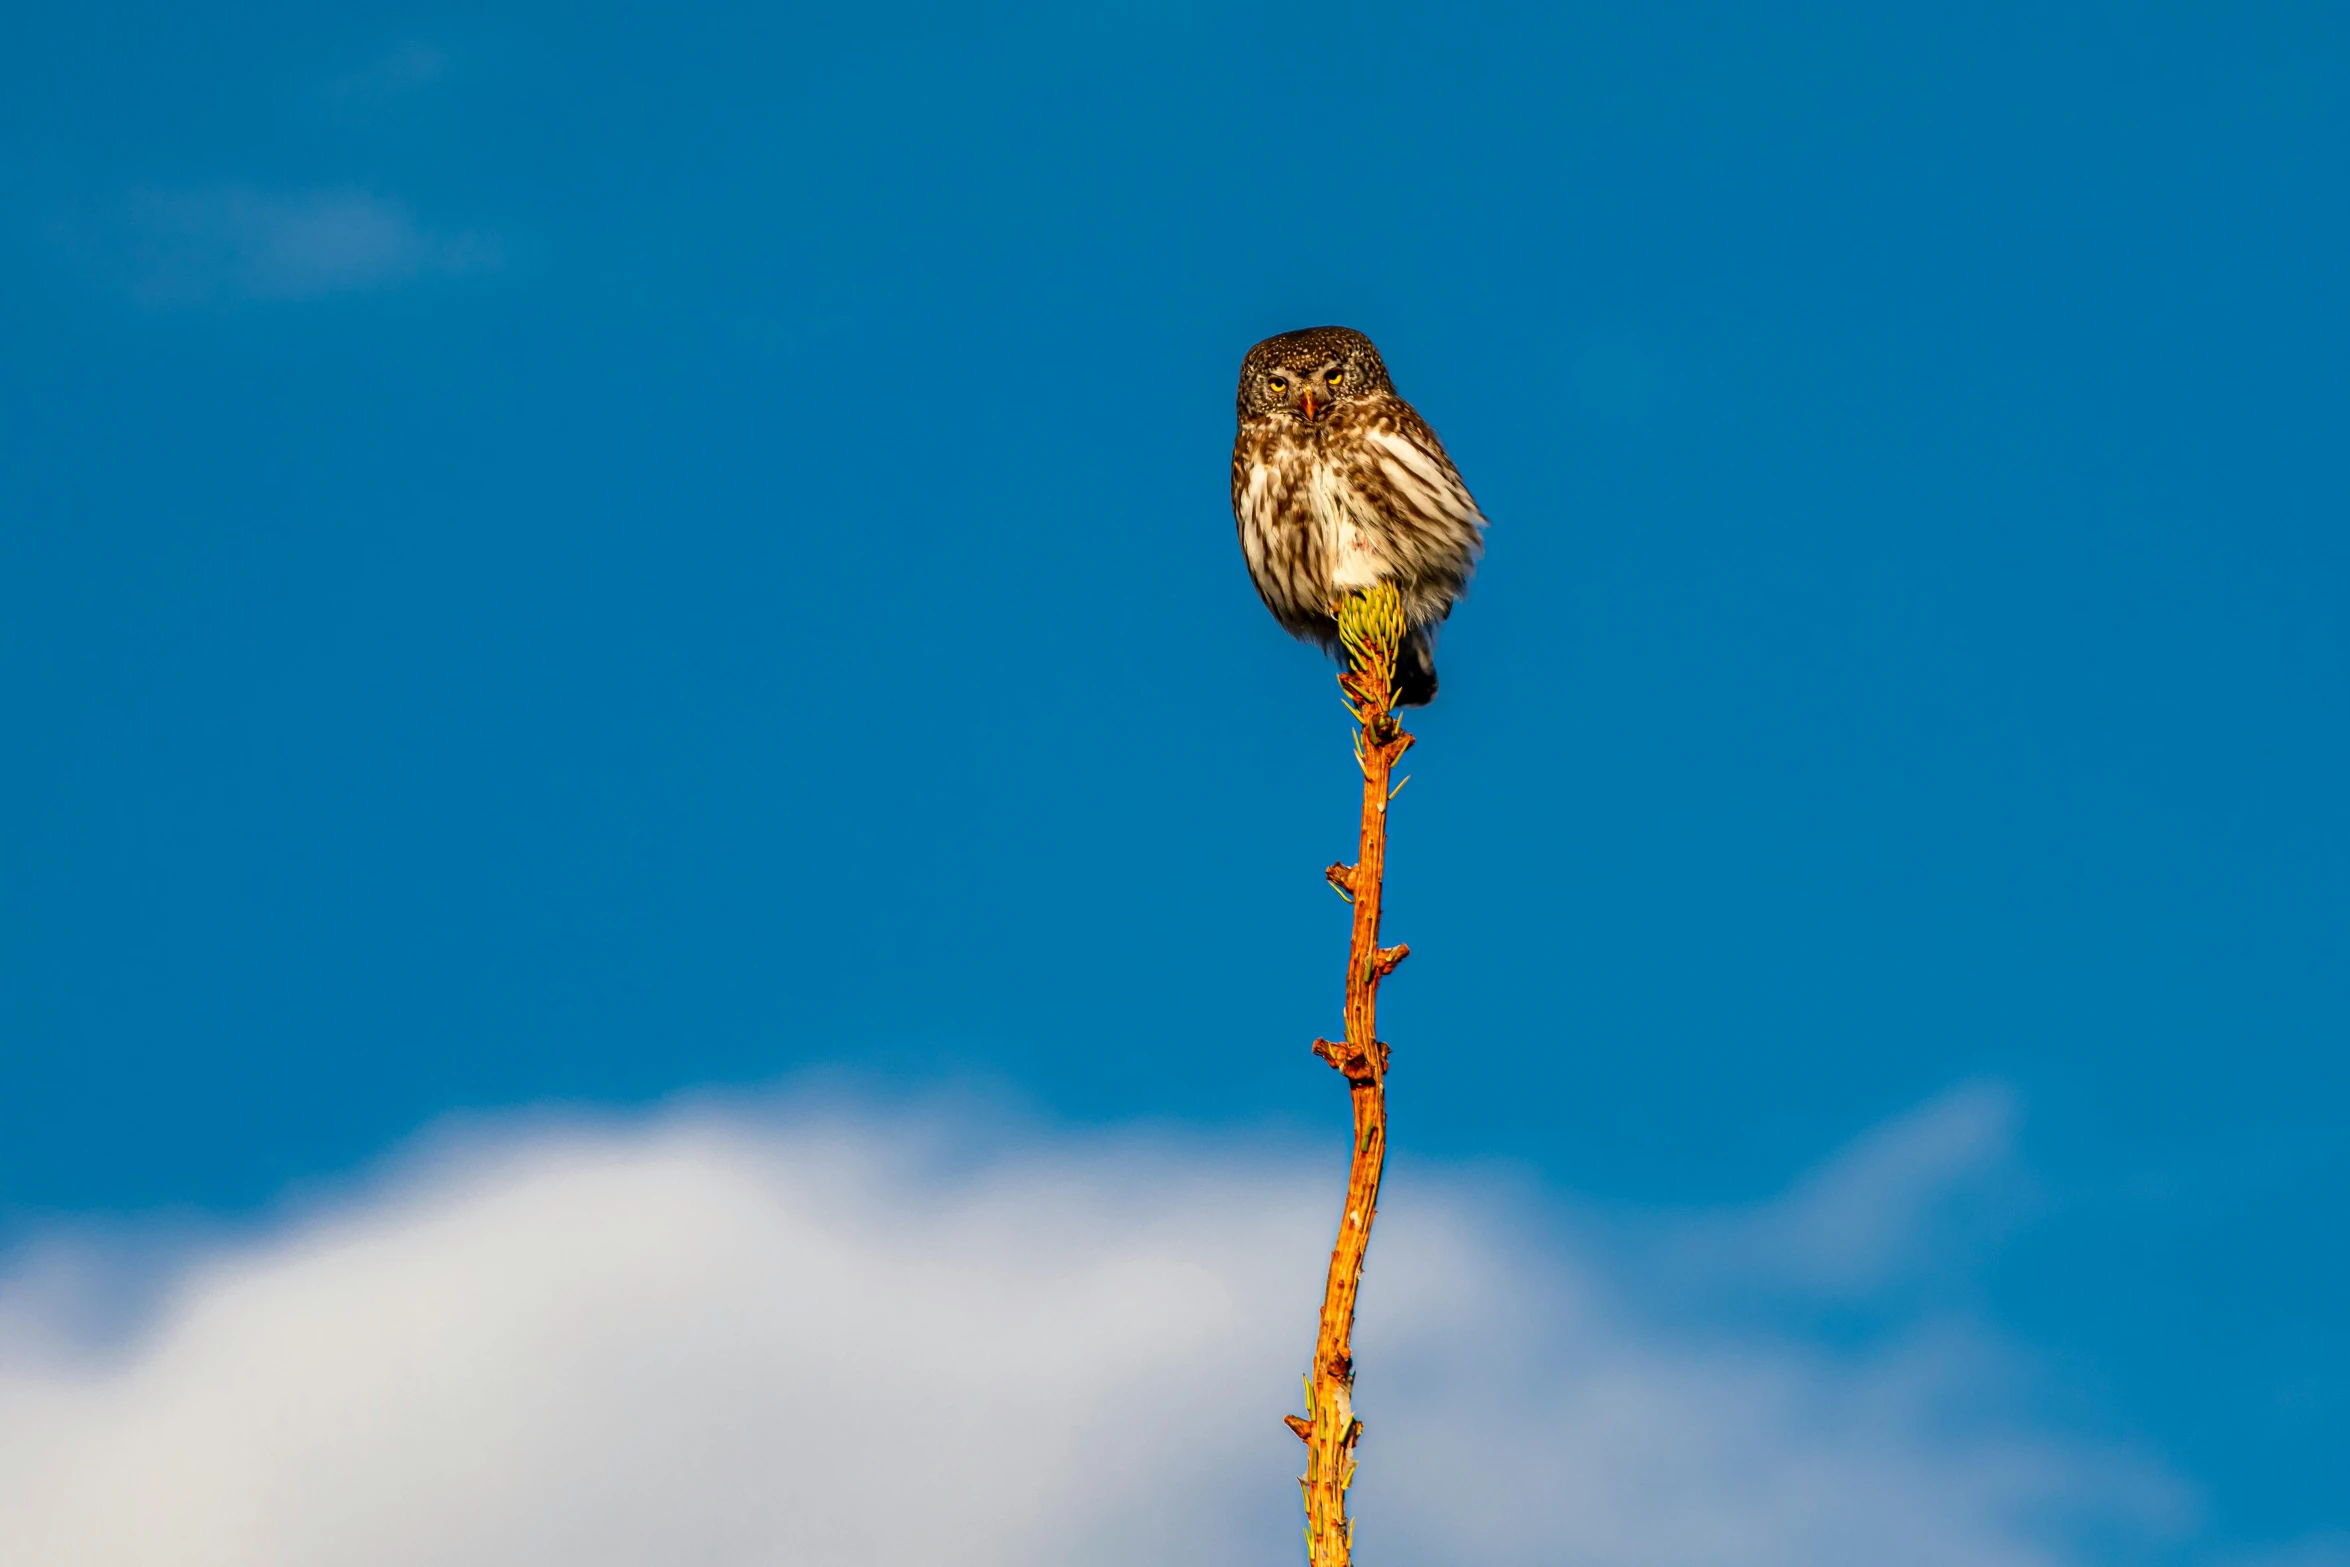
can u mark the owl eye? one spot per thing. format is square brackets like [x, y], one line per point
[1278, 384]
[1335, 376]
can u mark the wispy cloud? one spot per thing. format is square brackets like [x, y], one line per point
[815, 1337]
[230, 242]
[1907, 1202]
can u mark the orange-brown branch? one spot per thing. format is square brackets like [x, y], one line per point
[1371, 625]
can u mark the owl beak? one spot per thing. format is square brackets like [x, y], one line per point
[1306, 401]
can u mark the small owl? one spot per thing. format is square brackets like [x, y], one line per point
[1338, 484]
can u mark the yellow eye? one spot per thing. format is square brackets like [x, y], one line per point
[1335, 376]
[1278, 384]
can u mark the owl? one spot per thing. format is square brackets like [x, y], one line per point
[1338, 484]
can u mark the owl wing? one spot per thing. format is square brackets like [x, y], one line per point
[1403, 469]
[1431, 530]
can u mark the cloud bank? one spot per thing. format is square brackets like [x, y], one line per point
[814, 1335]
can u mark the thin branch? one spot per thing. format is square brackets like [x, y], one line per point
[1371, 628]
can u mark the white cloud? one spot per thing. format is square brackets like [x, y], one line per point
[224, 242]
[828, 1337]
[1907, 1199]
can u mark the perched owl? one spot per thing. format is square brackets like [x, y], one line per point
[1338, 484]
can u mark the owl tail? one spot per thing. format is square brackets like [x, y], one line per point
[1415, 669]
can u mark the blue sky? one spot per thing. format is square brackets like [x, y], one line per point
[572, 556]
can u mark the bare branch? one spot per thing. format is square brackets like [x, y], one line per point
[1371, 629]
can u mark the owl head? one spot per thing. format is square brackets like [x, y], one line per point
[1302, 375]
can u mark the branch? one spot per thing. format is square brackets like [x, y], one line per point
[1371, 629]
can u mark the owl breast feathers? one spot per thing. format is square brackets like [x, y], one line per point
[1337, 485]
